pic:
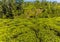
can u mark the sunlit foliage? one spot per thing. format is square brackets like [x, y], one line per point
[37, 21]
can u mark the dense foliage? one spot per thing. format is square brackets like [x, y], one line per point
[42, 9]
[30, 30]
[37, 21]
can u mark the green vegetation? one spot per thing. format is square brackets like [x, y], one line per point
[30, 30]
[37, 21]
[44, 9]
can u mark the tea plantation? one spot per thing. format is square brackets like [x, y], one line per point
[30, 30]
[26, 21]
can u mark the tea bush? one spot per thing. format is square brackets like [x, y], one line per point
[30, 30]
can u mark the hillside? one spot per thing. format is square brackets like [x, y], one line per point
[37, 21]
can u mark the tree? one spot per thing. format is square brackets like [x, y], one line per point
[20, 7]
